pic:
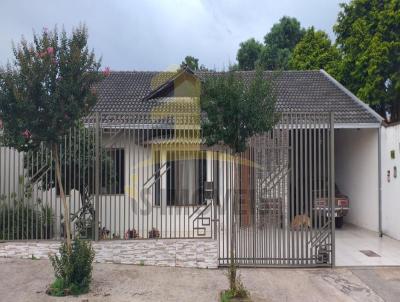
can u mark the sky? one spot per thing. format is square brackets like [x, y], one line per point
[158, 34]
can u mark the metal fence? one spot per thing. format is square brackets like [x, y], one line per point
[139, 176]
[283, 216]
[126, 176]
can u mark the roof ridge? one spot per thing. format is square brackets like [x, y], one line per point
[213, 71]
[140, 71]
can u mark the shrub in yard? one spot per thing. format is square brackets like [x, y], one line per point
[21, 219]
[237, 291]
[154, 233]
[73, 269]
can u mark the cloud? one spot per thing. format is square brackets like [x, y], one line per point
[155, 34]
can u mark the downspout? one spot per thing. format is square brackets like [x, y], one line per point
[380, 179]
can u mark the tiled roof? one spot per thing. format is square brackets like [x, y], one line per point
[296, 91]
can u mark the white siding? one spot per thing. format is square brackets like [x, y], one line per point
[391, 189]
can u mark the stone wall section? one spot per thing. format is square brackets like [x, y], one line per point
[197, 253]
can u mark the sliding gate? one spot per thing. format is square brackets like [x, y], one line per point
[281, 211]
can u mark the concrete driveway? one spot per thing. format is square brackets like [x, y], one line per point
[351, 240]
[26, 280]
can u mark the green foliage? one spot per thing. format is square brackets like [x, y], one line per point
[21, 217]
[57, 288]
[47, 89]
[285, 34]
[233, 67]
[279, 43]
[239, 291]
[73, 270]
[315, 51]
[235, 110]
[226, 296]
[77, 160]
[368, 35]
[192, 63]
[248, 54]
[273, 58]
[277, 49]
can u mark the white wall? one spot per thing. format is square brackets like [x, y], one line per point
[356, 165]
[391, 189]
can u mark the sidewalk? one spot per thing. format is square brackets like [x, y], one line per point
[26, 280]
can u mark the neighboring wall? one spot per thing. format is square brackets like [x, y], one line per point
[391, 186]
[356, 167]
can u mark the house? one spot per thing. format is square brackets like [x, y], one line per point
[162, 182]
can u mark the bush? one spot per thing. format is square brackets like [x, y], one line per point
[73, 270]
[237, 289]
[24, 219]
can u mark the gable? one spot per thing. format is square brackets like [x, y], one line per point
[183, 84]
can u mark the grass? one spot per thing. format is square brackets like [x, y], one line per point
[58, 289]
[226, 296]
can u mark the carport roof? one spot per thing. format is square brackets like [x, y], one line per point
[296, 91]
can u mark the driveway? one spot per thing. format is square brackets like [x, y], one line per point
[351, 240]
[26, 280]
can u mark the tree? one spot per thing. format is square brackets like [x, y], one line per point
[235, 112]
[191, 62]
[78, 166]
[368, 36]
[273, 58]
[248, 54]
[47, 89]
[280, 42]
[315, 51]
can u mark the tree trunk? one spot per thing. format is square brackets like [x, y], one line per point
[67, 223]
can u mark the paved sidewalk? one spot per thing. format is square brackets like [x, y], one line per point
[26, 280]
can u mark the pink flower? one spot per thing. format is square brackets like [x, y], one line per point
[42, 54]
[26, 134]
[50, 50]
[106, 71]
